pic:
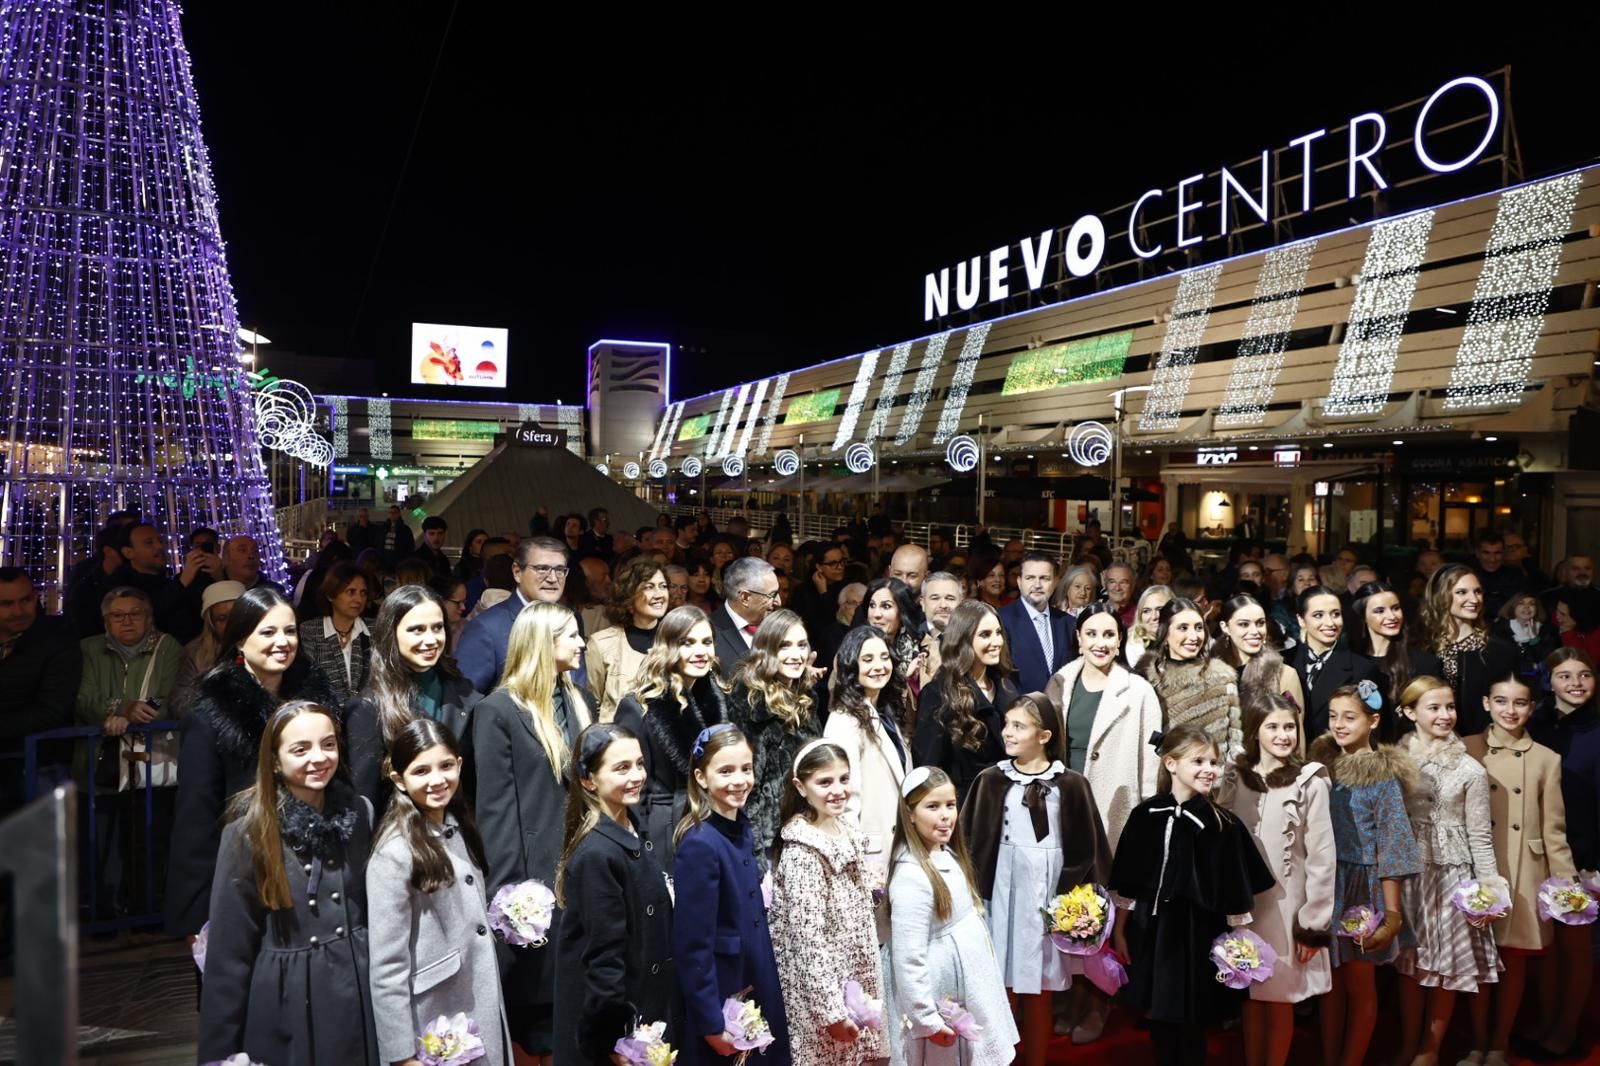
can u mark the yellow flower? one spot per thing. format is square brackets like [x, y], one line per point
[661, 1055]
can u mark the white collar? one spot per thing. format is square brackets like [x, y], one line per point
[329, 631]
[1033, 614]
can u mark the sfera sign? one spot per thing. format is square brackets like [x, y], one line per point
[529, 435]
[1195, 210]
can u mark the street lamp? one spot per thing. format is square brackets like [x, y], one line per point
[1118, 399]
[254, 339]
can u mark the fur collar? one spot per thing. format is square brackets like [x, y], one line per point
[674, 729]
[1427, 752]
[1283, 776]
[323, 834]
[238, 707]
[1364, 769]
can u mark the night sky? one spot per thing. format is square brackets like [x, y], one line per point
[766, 204]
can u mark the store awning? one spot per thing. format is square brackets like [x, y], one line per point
[1262, 474]
[888, 482]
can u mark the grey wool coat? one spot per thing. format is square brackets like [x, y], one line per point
[431, 954]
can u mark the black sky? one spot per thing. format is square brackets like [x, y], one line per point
[769, 194]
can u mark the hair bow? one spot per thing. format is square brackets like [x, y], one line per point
[1156, 738]
[705, 735]
[1370, 695]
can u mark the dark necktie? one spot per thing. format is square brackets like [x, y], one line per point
[1314, 665]
[894, 736]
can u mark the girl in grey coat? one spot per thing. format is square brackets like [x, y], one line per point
[430, 952]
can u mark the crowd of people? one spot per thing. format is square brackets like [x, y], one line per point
[752, 767]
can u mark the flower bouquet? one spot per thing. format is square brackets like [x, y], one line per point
[1242, 958]
[1358, 922]
[198, 950]
[1079, 923]
[877, 877]
[521, 912]
[744, 1027]
[1568, 901]
[959, 1019]
[450, 1041]
[860, 1008]
[1488, 897]
[1590, 880]
[646, 1047]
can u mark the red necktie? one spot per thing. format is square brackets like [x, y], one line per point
[751, 629]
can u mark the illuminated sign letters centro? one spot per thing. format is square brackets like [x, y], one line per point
[987, 278]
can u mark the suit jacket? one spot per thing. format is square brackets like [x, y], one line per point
[731, 648]
[1022, 637]
[481, 650]
[1344, 667]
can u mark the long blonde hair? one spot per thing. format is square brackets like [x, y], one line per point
[530, 679]
[906, 837]
[659, 674]
[788, 701]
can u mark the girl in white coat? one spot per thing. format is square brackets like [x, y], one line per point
[430, 949]
[867, 709]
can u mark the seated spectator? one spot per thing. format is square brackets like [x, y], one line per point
[338, 642]
[200, 654]
[40, 666]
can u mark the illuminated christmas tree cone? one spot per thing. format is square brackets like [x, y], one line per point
[118, 349]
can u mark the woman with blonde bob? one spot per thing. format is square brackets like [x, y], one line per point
[677, 693]
[640, 598]
[771, 704]
[523, 735]
[1146, 621]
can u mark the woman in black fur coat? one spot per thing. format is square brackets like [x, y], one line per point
[678, 693]
[259, 669]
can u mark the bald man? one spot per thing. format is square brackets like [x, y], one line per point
[910, 564]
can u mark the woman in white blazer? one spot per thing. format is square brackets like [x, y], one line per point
[867, 707]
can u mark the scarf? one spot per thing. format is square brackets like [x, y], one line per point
[1472, 642]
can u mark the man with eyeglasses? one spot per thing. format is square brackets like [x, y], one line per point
[750, 588]
[540, 571]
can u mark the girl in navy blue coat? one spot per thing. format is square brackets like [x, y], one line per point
[720, 939]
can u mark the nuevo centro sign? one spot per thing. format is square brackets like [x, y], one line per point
[987, 278]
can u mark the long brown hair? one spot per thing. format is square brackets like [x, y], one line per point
[957, 659]
[659, 674]
[261, 806]
[431, 868]
[1255, 715]
[583, 806]
[907, 838]
[1437, 622]
[787, 701]
[392, 684]
[846, 696]
[822, 754]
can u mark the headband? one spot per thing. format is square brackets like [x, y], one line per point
[810, 746]
[705, 736]
[915, 780]
[1156, 738]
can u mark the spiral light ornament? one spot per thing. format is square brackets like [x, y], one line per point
[690, 467]
[732, 465]
[630, 471]
[961, 454]
[858, 458]
[1089, 444]
[658, 468]
[286, 420]
[786, 462]
[603, 469]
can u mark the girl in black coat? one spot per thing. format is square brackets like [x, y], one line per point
[962, 710]
[412, 674]
[259, 667]
[771, 704]
[286, 962]
[614, 951]
[679, 694]
[524, 734]
[1471, 657]
[1190, 868]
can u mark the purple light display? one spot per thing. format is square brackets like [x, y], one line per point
[117, 316]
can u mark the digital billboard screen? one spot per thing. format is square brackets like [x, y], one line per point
[458, 355]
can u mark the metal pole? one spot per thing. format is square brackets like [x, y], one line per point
[983, 467]
[1116, 474]
[801, 503]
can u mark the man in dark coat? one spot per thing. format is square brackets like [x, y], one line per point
[431, 550]
[394, 538]
[750, 588]
[541, 574]
[40, 666]
[1042, 639]
[361, 534]
[144, 567]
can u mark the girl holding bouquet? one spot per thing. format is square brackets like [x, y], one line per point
[720, 941]
[1530, 844]
[946, 1001]
[1187, 870]
[1376, 852]
[1034, 833]
[1460, 891]
[1283, 802]
[823, 926]
[431, 953]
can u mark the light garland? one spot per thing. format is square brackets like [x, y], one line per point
[886, 395]
[1513, 293]
[786, 462]
[571, 420]
[858, 458]
[779, 387]
[732, 465]
[1169, 385]
[690, 467]
[340, 426]
[858, 399]
[286, 415]
[922, 388]
[380, 441]
[672, 430]
[1378, 313]
[754, 415]
[961, 454]
[661, 429]
[528, 412]
[733, 420]
[630, 471]
[716, 428]
[658, 469]
[1259, 360]
[1089, 444]
[955, 401]
[115, 280]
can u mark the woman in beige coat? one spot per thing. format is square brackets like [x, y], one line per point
[640, 596]
[1529, 825]
[866, 712]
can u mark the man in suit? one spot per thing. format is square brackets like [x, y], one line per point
[40, 667]
[1324, 665]
[1042, 639]
[750, 591]
[540, 571]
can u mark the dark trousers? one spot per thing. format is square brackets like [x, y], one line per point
[1178, 1044]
